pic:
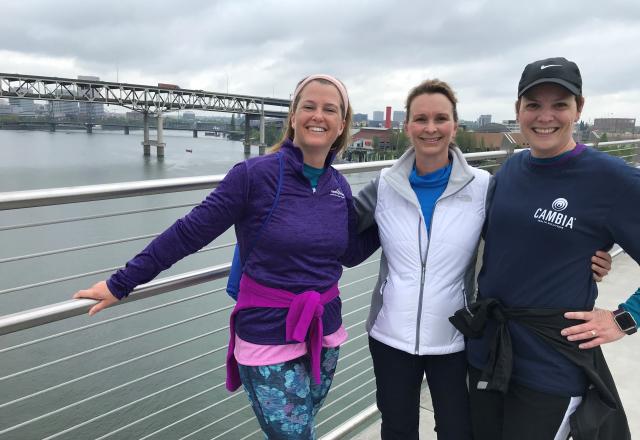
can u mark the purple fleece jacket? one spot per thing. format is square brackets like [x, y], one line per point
[310, 236]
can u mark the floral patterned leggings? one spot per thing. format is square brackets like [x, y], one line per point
[284, 397]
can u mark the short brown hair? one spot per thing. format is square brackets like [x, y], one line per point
[340, 143]
[432, 86]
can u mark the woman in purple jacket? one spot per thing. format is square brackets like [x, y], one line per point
[286, 328]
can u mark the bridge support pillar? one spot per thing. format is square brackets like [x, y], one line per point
[160, 144]
[195, 133]
[261, 149]
[146, 146]
[262, 125]
[52, 128]
[247, 135]
[247, 130]
[89, 128]
[126, 129]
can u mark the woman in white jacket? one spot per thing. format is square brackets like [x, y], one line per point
[430, 209]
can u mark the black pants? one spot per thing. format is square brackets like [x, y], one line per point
[521, 413]
[398, 379]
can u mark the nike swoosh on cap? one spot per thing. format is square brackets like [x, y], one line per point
[550, 65]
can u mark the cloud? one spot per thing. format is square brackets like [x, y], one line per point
[380, 49]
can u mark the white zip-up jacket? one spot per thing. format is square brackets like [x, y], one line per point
[423, 278]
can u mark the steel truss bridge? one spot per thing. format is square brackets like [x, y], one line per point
[142, 98]
[145, 99]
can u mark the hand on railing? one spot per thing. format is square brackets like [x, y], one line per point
[100, 292]
[601, 265]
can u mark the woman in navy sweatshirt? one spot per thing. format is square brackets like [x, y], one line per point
[553, 206]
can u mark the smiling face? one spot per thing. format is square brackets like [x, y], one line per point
[318, 120]
[546, 114]
[431, 126]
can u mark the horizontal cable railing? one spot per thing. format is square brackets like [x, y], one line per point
[156, 367]
[93, 217]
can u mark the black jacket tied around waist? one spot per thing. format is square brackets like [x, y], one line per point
[600, 415]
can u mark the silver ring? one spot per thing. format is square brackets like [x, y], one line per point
[594, 333]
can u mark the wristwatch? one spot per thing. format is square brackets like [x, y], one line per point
[625, 321]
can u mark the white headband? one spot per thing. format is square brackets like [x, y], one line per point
[332, 80]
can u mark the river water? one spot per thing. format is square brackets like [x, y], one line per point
[37, 160]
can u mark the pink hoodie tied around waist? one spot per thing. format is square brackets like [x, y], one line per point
[304, 317]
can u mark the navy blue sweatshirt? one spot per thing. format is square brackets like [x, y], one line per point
[545, 223]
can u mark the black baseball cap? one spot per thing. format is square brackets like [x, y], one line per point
[552, 70]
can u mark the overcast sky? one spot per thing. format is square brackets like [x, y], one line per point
[379, 48]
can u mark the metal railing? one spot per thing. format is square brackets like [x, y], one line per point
[150, 369]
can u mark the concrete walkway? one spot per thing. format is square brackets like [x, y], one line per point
[622, 356]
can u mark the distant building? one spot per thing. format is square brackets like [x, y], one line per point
[360, 119]
[5, 108]
[89, 110]
[398, 116]
[492, 127]
[614, 125]
[134, 116]
[484, 120]
[41, 109]
[23, 107]
[362, 144]
[512, 125]
[398, 119]
[378, 116]
[383, 136]
[468, 125]
[497, 141]
[189, 116]
[63, 109]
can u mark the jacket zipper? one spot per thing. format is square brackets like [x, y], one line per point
[423, 264]
[423, 267]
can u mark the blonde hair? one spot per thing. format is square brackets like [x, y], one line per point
[340, 144]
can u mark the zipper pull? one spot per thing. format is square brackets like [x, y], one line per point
[313, 190]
